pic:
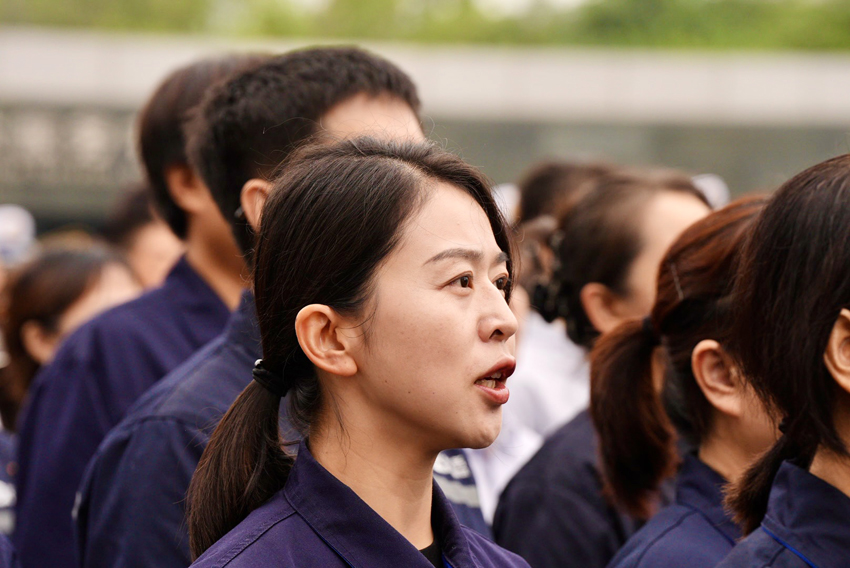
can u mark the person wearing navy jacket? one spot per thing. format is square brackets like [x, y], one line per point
[382, 282]
[791, 335]
[642, 412]
[105, 365]
[607, 247]
[131, 509]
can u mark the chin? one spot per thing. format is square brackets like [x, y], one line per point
[483, 438]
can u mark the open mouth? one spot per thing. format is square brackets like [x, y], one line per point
[496, 377]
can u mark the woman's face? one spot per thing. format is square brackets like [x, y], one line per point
[439, 346]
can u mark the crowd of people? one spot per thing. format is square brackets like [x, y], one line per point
[313, 338]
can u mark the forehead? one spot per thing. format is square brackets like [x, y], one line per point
[384, 116]
[449, 218]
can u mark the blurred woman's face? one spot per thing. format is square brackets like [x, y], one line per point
[665, 217]
[439, 345]
[115, 285]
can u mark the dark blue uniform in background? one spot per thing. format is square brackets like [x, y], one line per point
[807, 525]
[8, 557]
[553, 513]
[318, 522]
[694, 531]
[132, 502]
[98, 372]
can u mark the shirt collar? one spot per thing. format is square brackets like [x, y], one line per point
[355, 531]
[701, 488]
[809, 515]
[187, 287]
[243, 329]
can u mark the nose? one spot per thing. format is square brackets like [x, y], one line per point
[497, 322]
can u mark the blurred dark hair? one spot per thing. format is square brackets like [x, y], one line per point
[599, 238]
[41, 291]
[248, 125]
[333, 217]
[160, 124]
[791, 289]
[637, 425]
[132, 212]
[550, 187]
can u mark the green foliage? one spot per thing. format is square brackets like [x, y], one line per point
[712, 24]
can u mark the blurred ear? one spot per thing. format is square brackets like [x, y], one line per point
[718, 378]
[322, 336]
[253, 198]
[38, 342]
[837, 354]
[186, 188]
[600, 305]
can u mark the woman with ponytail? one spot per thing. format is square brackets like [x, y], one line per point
[382, 279]
[669, 377]
[792, 339]
[607, 249]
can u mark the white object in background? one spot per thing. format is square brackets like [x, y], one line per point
[17, 234]
[714, 188]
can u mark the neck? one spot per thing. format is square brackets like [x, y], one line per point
[226, 277]
[395, 480]
[723, 454]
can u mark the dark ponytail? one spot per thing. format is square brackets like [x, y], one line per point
[637, 420]
[788, 294]
[638, 447]
[333, 216]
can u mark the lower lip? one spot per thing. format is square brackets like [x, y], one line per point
[499, 395]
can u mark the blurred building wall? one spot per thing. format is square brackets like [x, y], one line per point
[67, 104]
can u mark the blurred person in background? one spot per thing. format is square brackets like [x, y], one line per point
[102, 367]
[46, 299]
[551, 382]
[149, 245]
[606, 254]
[132, 507]
[791, 336]
[702, 397]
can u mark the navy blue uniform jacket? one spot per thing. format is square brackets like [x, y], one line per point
[316, 521]
[553, 513]
[98, 372]
[807, 525]
[694, 531]
[8, 558]
[132, 507]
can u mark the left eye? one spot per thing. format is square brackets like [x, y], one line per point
[502, 283]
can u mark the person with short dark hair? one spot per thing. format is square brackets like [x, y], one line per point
[382, 282]
[104, 366]
[132, 498]
[149, 245]
[791, 335]
[607, 250]
[702, 398]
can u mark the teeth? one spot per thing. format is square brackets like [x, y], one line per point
[489, 383]
[497, 375]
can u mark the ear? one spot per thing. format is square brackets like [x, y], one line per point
[38, 342]
[186, 188]
[253, 198]
[718, 378]
[599, 303]
[322, 336]
[837, 354]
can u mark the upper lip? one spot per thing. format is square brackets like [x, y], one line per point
[505, 365]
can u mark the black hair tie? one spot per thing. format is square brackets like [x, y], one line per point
[649, 330]
[273, 383]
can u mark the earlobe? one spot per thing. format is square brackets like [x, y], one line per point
[37, 342]
[253, 198]
[186, 188]
[837, 354]
[597, 301]
[321, 336]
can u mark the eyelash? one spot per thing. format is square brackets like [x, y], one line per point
[505, 282]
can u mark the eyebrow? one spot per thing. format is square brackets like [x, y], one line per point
[466, 254]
